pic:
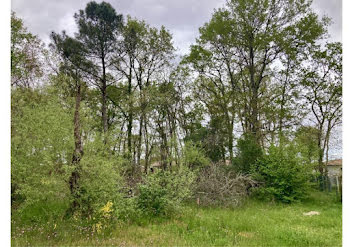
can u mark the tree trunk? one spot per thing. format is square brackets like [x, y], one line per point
[254, 128]
[320, 151]
[254, 116]
[148, 149]
[130, 116]
[104, 99]
[230, 143]
[139, 146]
[282, 104]
[77, 154]
[163, 147]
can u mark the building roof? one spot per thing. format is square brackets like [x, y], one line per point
[337, 162]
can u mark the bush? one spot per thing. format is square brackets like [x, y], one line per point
[248, 153]
[100, 181]
[41, 147]
[194, 157]
[127, 210]
[162, 192]
[218, 186]
[283, 173]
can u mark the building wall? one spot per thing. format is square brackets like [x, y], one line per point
[334, 171]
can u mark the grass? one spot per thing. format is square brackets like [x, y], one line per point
[254, 223]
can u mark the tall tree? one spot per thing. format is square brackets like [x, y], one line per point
[26, 48]
[73, 66]
[246, 49]
[98, 26]
[262, 35]
[322, 80]
[143, 54]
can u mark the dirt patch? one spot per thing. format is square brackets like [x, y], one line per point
[246, 234]
[311, 213]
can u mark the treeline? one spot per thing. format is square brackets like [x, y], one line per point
[259, 93]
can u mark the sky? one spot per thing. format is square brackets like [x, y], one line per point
[181, 17]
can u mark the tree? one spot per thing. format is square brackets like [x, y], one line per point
[306, 138]
[263, 35]
[237, 53]
[284, 175]
[98, 27]
[41, 146]
[322, 80]
[142, 57]
[26, 50]
[213, 58]
[248, 153]
[73, 67]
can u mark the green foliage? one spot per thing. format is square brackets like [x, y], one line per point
[284, 175]
[306, 139]
[148, 109]
[25, 54]
[97, 26]
[162, 192]
[128, 210]
[42, 144]
[247, 155]
[100, 179]
[194, 157]
[211, 138]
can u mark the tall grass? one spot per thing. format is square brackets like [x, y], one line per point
[254, 223]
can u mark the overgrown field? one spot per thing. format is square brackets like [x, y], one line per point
[254, 223]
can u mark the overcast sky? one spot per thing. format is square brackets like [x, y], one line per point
[181, 17]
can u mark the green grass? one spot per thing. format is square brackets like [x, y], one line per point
[252, 224]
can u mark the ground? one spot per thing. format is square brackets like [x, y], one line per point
[254, 223]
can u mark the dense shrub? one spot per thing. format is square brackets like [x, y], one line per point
[41, 147]
[162, 192]
[218, 186]
[248, 152]
[284, 174]
[194, 156]
[100, 180]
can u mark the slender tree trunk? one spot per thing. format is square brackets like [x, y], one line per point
[254, 116]
[326, 143]
[139, 146]
[320, 151]
[146, 149]
[130, 134]
[230, 142]
[121, 138]
[163, 147]
[130, 115]
[282, 104]
[254, 128]
[104, 99]
[77, 154]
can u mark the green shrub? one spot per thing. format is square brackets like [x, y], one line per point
[162, 192]
[284, 175]
[248, 153]
[100, 181]
[127, 210]
[194, 157]
[41, 147]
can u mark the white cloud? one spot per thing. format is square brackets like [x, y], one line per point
[181, 17]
